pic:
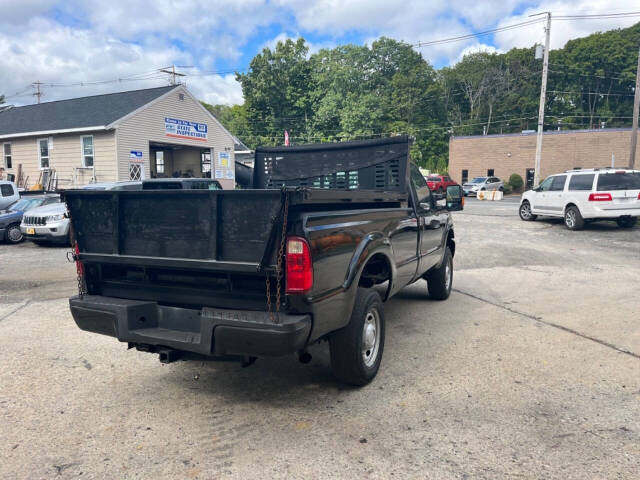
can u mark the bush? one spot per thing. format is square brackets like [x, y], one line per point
[516, 182]
[507, 189]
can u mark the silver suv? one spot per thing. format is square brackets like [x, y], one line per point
[50, 224]
[482, 183]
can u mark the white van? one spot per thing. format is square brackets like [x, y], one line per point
[586, 195]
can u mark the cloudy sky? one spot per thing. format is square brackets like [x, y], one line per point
[65, 43]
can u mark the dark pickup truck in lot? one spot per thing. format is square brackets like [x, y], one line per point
[326, 235]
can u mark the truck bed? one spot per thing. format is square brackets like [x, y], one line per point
[193, 248]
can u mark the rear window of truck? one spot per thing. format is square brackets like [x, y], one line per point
[619, 181]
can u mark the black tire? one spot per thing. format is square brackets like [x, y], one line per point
[573, 219]
[347, 346]
[13, 234]
[525, 212]
[626, 222]
[501, 189]
[440, 280]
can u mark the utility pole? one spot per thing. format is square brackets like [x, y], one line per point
[543, 96]
[634, 128]
[172, 74]
[37, 93]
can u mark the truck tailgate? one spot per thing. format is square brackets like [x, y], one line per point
[204, 229]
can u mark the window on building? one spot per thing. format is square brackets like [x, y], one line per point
[43, 152]
[135, 171]
[159, 161]
[490, 172]
[7, 155]
[205, 162]
[465, 176]
[87, 150]
[581, 182]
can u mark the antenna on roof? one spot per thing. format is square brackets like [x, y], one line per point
[172, 74]
[38, 93]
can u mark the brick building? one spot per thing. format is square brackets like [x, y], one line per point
[502, 155]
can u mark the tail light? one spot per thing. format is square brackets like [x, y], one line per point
[638, 196]
[299, 268]
[600, 197]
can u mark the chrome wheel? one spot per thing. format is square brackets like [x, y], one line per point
[14, 235]
[525, 211]
[570, 218]
[371, 338]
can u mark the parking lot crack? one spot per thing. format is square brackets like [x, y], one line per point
[17, 309]
[552, 324]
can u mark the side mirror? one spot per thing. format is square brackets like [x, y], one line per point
[455, 198]
[425, 206]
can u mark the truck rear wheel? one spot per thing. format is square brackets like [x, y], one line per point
[440, 280]
[356, 350]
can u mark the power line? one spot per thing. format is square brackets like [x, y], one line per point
[597, 16]
[477, 34]
[603, 94]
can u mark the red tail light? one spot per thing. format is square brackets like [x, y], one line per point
[600, 197]
[638, 196]
[79, 267]
[299, 270]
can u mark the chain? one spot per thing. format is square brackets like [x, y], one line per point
[74, 257]
[275, 316]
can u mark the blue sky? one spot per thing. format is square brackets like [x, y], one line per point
[67, 44]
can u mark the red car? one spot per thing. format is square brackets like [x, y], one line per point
[439, 183]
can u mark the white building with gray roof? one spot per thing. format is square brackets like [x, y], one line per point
[150, 133]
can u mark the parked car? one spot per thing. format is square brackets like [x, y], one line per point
[11, 217]
[181, 184]
[482, 183]
[8, 194]
[199, 274]
[50, 223]
[439, 183]
[586, 195]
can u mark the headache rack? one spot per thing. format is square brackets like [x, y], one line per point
[357, 165]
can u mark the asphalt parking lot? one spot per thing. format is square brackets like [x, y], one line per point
[530, 369]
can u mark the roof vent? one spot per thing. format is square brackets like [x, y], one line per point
[181, 97]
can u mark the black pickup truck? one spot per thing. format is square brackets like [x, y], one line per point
[310, 252]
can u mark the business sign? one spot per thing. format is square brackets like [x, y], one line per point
[136, 156]
[224, 168]
[176, 128]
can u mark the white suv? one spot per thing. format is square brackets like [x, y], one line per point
[586, 195]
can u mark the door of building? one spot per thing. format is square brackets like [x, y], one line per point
[529, 176]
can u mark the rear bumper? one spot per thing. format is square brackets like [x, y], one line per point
[611, 212]
[210, 331]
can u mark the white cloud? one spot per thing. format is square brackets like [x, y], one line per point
[475, 48]
[564, 30]
[54, 54]
[91, 40]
